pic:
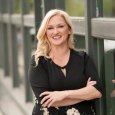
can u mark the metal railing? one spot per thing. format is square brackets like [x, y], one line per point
[94, 30]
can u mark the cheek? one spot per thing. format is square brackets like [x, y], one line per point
[66, 32]
[48, 34]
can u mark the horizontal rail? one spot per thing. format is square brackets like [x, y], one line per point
[101, 27]
[104, 28]
[16, 19]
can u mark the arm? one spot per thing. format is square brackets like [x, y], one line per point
[38, 78]
[57, 99]
[87, 93]
[64, 102]
[63, 98]
[95, 91]
[92, 90]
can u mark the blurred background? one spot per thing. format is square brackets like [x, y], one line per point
[94, 32]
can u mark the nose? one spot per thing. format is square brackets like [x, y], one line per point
[55, 31]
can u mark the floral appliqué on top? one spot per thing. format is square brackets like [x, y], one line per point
[73, 111]
[45, 111]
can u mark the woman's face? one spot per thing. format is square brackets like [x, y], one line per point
[57, 31]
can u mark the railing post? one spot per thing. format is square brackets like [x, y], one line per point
[5, 41]
[100, 7]
[101, 68]
[27, 49]
[92, 44]
[13, 46]
[90, 41]
[39, 7]
[89, 13]
[60, 4]
[1, 37]
[113, 8]
[49, 6]
[54, 4]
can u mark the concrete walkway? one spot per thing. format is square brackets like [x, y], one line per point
[12, 100]
[1, 113]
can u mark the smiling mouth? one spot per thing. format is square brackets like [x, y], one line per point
[56, 37]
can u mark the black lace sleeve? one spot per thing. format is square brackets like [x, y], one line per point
[38, 78]
[91, 71]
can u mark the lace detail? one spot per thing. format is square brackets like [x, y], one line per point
[73, 111]
[45, 111]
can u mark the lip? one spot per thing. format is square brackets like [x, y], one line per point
[56, 37]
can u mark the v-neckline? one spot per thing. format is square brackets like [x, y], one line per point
[62, 71]
[65, 66]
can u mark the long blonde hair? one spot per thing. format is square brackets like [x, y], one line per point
[43, 45]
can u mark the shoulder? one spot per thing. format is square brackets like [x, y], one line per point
[80, 54]
[42, 60]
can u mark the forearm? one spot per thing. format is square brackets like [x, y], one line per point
[69, 97]
[66, 102]
[86, 93]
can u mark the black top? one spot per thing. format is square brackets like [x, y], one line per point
[47, 76]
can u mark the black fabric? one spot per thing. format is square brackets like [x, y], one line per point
[47, 76]
[36, 110]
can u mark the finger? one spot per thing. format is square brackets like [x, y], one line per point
[92, 83]
[44, 93]
[47, 103]
[113, 81]
[44, 99]
[89, 79]
[50, 104]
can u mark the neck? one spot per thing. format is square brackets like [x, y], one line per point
[59, 51]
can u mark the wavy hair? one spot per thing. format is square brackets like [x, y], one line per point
[43, 45]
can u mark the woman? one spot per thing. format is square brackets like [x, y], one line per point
[64, 80]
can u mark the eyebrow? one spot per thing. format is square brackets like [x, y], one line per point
[59, 24]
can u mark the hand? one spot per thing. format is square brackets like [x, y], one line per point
[113, 81]
[90, 83]
[52, 97]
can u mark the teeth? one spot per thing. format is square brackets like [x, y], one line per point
[56, 37]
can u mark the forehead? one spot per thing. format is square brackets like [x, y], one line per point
[57, 19]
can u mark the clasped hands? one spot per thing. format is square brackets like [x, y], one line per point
[50, 97]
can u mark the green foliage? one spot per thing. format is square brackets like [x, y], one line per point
[75, 7]
[107, 7]
[31, 5]
[17, 6]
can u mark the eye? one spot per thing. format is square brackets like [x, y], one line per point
[49, 28]
[61, 26]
